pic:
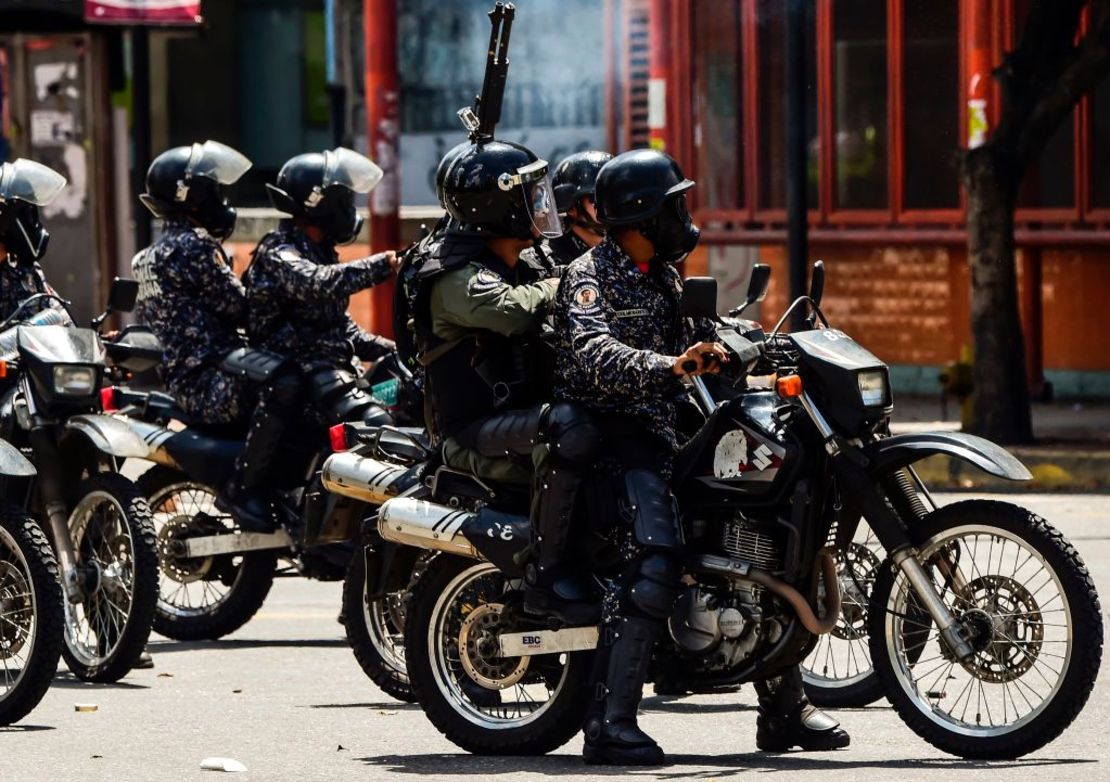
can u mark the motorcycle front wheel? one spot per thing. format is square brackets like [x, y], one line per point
[201, 598]
[483, 703]
[1027, 605]
[30, 615]
[113, 539]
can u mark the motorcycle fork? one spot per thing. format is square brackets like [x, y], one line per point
[892, 532]
[49, 463]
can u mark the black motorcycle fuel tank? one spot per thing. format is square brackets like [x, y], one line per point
[741, 450]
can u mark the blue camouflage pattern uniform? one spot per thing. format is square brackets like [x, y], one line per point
[18, 282]
[298, 292]
[192, 300]
[619, 331]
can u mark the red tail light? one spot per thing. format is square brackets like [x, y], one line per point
[108, 399]
[338, 436]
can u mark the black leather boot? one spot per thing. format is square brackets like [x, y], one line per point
[787, 719]
[551, 587]
[244, 495]
[613, 738]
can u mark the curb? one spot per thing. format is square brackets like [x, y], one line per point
[1054, 470]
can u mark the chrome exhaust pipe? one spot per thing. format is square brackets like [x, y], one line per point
[369, 480]
[426, 525]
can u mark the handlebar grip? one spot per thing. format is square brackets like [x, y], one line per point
[707, 360]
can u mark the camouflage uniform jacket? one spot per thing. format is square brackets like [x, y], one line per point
[618, 333]
[18, 282]
[298, 293]
[192, 300]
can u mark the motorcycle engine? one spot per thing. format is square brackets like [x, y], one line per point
[749, 541]
[722, 628]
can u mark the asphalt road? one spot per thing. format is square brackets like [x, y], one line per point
[285, 697]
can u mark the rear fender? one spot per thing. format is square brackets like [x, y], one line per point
[893, 453]
[499, 537]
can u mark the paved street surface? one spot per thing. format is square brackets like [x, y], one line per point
[285, 697]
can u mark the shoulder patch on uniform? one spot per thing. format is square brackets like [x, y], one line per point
[484, 280]
[289, 255]
[585, 297]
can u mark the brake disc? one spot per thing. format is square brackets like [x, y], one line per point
[478, 650]
[16, 608]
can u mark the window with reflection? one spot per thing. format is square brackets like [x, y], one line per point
[1100, 146]
[860, 104]
[931, 99]
[717, 91]
[1049, 182]
[771, 46]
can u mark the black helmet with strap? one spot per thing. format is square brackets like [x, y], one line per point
[499, 189]
[646, 190]
[320, 188]
[188, 182]
[25, 186]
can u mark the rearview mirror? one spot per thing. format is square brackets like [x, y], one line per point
[757, 283]
[817, 282]
[123, 295]
[699, 298]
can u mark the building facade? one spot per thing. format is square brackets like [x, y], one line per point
[891, 102]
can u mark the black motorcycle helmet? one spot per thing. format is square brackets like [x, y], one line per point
[575, 177]
[188, 182]
[320, 187]
[444, 166]
[646, 190]
[24, 187]
[500, 189]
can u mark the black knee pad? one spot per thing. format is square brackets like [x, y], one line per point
[571, 432]
[653, 585]
[651, 504]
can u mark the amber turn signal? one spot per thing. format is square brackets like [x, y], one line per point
[789, 386]
[3, 368]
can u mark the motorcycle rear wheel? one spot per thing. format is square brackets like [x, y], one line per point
[31, 618]
[201, 600]
[1033, 619]
[484, 704]
[375, 631]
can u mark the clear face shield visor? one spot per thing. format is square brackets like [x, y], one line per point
[26, 180]
[216, 161]
[539, 195]
[351, 170]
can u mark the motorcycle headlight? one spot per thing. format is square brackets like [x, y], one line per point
[872, 387]
[74, 381]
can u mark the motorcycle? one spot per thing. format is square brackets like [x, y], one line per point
[984, 627]
[31, 617]
[213, 576]
[98, 521]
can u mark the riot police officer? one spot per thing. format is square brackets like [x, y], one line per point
[192, 300]
[298, 291]
[623, 349]
[575, 179]
[478, 312]
[24, 187]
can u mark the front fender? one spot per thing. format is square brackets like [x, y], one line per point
[109, 435]
[14, 464]
[893, 453]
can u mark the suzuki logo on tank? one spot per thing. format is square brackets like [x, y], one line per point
[143, 11]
